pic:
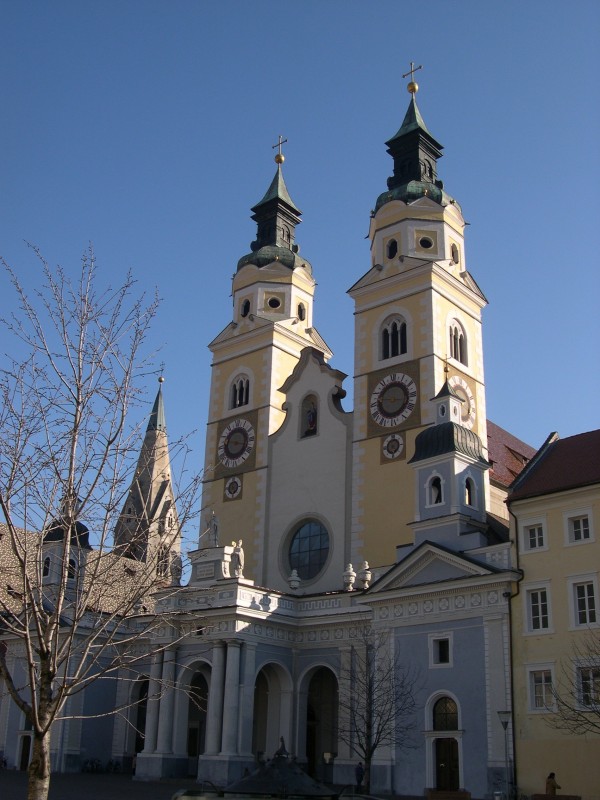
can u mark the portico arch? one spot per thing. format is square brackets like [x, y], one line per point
[273, 710]
[317, 717]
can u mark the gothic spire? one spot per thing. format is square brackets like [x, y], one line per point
[147, 527]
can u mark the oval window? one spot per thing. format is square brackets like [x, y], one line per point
[426, 243]
[245, 308]
[309, 549]
[274, 302]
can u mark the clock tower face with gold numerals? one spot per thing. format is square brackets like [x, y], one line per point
[393, 399]
[463, 390]
[236, 442]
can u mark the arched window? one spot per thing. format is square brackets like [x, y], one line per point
[393, 337]
[392, 248]
[309, 417]
[469, 492]
[71, 569]
[445, 715]
[240, 391]
[458, 342]
[435, 491]
[455, 255]
[46, 567]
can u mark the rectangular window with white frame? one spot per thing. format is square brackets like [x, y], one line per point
[579, 528]
[440, 650]
[540, 687]
[533, 535]
[589, 687]
[538, 612]
[583, 600]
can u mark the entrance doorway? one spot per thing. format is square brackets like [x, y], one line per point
[446, 765]
[321, 720]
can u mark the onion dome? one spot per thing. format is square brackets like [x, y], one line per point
[57, 530]
[448, 437]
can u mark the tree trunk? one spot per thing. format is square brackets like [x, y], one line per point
[38, 784]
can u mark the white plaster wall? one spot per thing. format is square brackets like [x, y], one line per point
[307, 478]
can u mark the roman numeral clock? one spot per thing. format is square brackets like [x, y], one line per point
[236, 443]
[393, 404]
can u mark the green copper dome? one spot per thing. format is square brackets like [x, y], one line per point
[415, 152]
[449, 437]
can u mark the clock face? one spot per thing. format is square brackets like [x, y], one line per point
[393, 446]
[236, 443]
[233, 487]
[467, 408]
[393, 399]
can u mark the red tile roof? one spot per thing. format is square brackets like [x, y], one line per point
[507, 454]
[561, 464]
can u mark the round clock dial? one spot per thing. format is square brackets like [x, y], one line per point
[236, 443]
[393, 399]
[463, 390]
[233, 487]
[393, 445]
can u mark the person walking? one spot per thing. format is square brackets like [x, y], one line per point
[551, 784]
[359, 774]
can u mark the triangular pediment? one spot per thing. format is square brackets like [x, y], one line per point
[430, 564]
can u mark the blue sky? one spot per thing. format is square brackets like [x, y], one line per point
[146, 128]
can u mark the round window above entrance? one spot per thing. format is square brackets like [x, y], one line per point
[309, 549]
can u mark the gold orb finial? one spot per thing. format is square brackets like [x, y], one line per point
[413, 86]
[161, 379]
[279, 157]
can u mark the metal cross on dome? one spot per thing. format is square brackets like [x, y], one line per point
[279, 157]
[412, 71]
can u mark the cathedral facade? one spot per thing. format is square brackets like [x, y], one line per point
[351, 588]
[329, 527]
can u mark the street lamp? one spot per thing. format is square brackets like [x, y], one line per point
[505, 717]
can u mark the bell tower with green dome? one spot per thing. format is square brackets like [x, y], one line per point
[273, 292]
[417, 310]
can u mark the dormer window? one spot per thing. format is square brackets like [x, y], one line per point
[393, 337]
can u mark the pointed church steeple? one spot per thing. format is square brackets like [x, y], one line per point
[147, 529]
[415, 152]
[276, 217]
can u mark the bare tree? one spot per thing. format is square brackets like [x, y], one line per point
[576, 694]
[378, 698]
[67, 454]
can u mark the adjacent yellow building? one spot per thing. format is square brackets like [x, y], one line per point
[555, 510]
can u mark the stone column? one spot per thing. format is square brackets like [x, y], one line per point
[165, 719]
[231, 707]
[247, 700]
[214, 714]
[153, 705]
